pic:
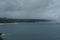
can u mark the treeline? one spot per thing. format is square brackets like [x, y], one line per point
[6, 20]
[10, 20]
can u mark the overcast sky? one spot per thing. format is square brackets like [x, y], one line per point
[39, 9]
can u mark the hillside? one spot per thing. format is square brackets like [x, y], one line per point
[10, 20]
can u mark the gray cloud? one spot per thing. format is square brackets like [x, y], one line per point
[39, 9]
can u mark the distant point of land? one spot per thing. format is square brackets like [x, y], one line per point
[11, 20]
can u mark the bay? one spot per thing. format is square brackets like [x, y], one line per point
[31, 31]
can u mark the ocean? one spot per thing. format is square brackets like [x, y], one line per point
[31, 31]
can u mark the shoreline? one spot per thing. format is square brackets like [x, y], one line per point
[8, 23]
[29, 22]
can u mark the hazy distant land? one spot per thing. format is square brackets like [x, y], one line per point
[11, 20]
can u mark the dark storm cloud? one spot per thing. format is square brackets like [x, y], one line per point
[45, 9]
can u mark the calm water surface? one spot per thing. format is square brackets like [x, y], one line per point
[31, 31]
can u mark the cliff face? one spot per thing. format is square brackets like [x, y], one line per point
[9, 20]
